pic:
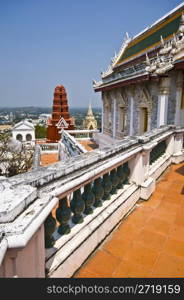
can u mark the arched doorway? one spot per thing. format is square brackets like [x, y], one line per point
[19, 137]
[28, 137]
[143, 120]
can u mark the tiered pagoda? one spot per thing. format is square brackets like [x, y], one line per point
[60, 115]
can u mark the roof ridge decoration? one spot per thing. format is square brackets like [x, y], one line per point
[170, 51]
[143, 37]
[116, 57]
[165, 37]
[158, 21]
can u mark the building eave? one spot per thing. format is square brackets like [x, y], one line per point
[123, 82]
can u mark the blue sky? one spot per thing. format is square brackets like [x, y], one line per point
[48, 42]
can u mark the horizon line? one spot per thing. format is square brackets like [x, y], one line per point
[45, 106]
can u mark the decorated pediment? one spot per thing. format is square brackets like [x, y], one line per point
[144, 98]
[107, 100]
[122, 97]
[62, 123]
[23, 125]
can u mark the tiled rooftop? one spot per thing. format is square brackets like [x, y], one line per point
[149, 242]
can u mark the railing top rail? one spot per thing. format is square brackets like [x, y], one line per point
[83, 131]
[48, 144]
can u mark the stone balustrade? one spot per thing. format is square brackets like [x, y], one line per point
[49, 147]
[70, 207]
[83, 133]
[72, 146]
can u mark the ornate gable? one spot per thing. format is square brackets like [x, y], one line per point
[62, 123]
[122, 97]
[144, 98]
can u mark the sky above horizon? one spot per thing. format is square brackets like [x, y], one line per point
[49, 42]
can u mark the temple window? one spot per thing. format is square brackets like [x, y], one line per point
[143, 119]
[121, 123]
[107, 116]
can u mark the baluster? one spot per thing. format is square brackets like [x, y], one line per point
[122, 176]
[127, 172]
[114, 180]
[49, 227]
[63, 214]
[89, 199]
[107, 185]
[77, 207]
[98, 192]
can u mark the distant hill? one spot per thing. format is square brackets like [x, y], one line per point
[40, 110]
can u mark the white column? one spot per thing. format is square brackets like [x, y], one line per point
[179, 86]
[178, 143]
[163, 102]
[102, 119]
[114, 119]
[162, 110]
[139, 172]
[136, 169]
[23, 136]
[170, 145]
[131, 116]
[178, 155]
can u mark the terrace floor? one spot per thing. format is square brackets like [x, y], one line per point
[89, 145]
[149, 242]
[48, 158]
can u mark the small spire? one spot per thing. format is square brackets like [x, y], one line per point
[181, 26]
[147, 60]
[127, 36]
[90, 112]
[162, 41]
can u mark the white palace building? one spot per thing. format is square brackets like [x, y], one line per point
[24, 131]
[143, 87]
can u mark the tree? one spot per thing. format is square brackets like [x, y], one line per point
[40, 132]
[15, 157]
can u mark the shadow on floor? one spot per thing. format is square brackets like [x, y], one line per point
[180, 170]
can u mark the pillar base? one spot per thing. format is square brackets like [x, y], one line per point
[147, 188]
[178, 158]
